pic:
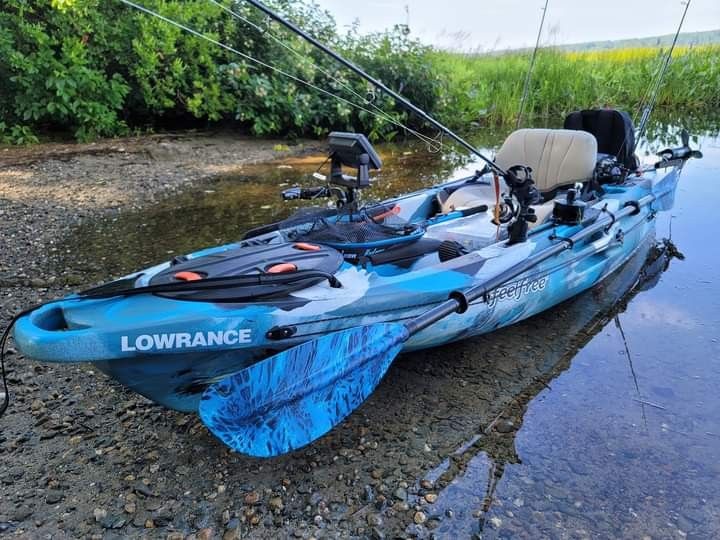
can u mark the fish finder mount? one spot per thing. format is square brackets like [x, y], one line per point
[352, 150]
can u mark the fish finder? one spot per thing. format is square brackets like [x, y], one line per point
[355, 151]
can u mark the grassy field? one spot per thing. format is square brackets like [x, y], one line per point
[487, 88]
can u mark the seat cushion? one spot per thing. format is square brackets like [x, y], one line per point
[557, 157]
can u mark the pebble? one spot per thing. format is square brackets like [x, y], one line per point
[374, 520]
[252, 497]
[420, 518]
[54, 497]
[505, 426]
[400, 494]
[205, 534]
[99, 514]
[431, 498]
[276, 504]
[113, 522]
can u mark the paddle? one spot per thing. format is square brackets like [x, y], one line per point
[298, 395]
[290, 399]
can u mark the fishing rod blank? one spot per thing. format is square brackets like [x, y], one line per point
[526, 86]
[647, 111]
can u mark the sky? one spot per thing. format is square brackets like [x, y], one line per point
[502, 24]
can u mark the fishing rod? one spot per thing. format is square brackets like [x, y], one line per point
[647, 110]
[397, 97]
[526, 87]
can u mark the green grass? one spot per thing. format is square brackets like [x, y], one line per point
[487, 89]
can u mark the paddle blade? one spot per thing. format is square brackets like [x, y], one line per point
[298, 395]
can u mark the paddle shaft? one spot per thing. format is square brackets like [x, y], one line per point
[460, 300]
[397, 97]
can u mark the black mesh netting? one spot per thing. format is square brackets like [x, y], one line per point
[365, 226]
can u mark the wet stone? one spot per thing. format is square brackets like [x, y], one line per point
[505, 426]
[21, 514]
[252, 498]
[113, 522]
[276, 504]
[54, 497]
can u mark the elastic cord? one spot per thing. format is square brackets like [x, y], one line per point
[3, 343]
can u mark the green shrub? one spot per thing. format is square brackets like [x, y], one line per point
[99, 68]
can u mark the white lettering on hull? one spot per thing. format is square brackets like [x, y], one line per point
[185, 340]
[515, 291]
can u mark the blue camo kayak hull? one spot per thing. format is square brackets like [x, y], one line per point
[170, 350]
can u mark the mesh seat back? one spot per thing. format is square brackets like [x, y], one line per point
[612, 129]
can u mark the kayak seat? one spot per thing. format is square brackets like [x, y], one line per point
[613, 130]
[557, 157]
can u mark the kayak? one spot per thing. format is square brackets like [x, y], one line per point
[171, 331]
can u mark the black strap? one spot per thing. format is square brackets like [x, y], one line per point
[612, 217]
[208, 284]
[3, 343]
[569, 241]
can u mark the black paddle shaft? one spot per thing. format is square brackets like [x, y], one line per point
[460, 300]
[397, 97]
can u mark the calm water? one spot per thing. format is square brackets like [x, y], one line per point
[596, 419]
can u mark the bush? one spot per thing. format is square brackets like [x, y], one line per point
[96, 68]
[99, 68]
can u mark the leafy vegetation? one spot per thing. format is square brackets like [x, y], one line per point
[99, 69]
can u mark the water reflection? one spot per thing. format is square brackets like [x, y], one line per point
[482, 460]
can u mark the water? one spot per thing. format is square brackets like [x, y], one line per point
[545, 429]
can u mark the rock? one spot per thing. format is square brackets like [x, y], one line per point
[377, 534]
[20, 514]
[100, 514]
[276, 504]
[374, 520]
[113, 522]
[252, 497]
[400, 494]
[175, 535]
[426, 484]
[232, 534]
[419, 518]
[130, 508]
[431, 497]
[149, 524]
[368, 494]
[141, 489]
[505, 426]
[377, 474]
[54, 497]
[205, 534]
